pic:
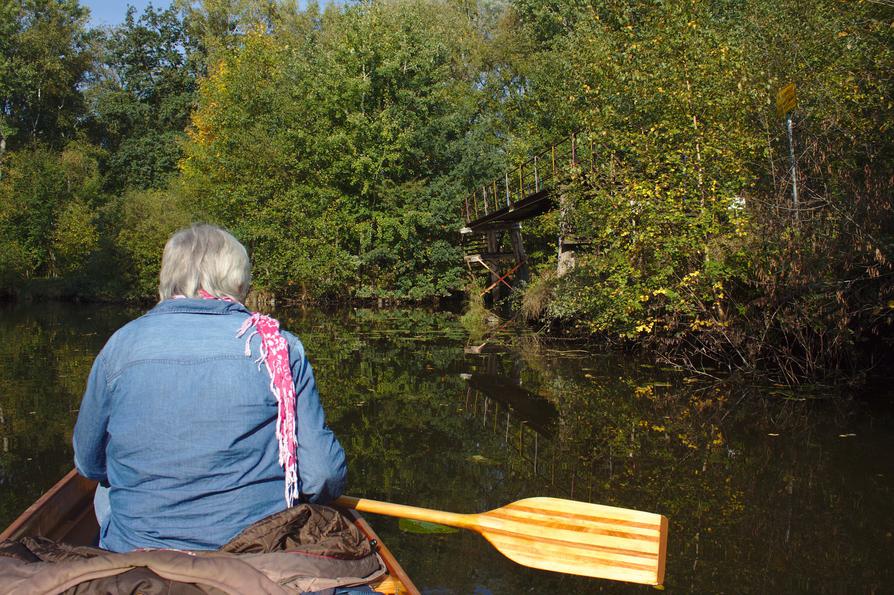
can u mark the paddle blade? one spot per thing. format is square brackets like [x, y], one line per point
[580, 538]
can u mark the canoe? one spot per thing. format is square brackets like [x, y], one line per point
[65, 513]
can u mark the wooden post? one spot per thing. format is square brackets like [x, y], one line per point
[493, 246]
[536, 176]
[518, 251]
[566, 252]
[791, 153]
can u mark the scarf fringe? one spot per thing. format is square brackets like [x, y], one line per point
[274, 354]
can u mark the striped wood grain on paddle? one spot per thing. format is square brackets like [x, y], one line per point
[559, 535]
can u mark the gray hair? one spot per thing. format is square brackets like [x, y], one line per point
[205, 257]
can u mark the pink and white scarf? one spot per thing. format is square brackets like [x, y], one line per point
[274, 353]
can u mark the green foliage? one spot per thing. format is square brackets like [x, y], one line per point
[44, 57]
[667, 154]
[476, 316]
[538, 294]
[147, 220]
[338, 144]
[142, 96]
[56, 219]
[341, 182]
[684, 175]
[75, 237]
[47, 207]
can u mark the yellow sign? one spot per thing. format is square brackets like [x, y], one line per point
[786, 99]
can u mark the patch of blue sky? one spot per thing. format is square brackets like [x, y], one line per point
[108, 13]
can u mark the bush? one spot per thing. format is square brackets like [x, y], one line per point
[147, 218]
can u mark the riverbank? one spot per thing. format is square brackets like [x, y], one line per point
[714, 349]
[685, 351]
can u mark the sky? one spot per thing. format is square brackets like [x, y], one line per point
[110, 12]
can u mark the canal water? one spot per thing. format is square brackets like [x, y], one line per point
[767, 490]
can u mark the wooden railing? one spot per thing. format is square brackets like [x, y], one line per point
[539, 174]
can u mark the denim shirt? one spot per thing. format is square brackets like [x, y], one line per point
[182, 425]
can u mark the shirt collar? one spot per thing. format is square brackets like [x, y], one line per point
[197, 306]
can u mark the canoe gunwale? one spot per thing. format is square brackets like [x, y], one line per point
[61, 512]
[391, 563]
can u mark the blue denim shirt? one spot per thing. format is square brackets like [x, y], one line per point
[181, 424]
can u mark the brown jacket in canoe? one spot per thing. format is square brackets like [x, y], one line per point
[303, 549]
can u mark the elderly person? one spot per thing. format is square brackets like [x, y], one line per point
[200, 416]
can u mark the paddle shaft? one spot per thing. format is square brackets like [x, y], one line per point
[451, 519]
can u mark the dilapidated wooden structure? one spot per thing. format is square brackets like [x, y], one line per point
[493, 213]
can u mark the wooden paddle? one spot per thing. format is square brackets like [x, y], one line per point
[559, 535]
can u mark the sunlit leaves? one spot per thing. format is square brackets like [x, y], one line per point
[692, 170]
[329, 146]
[48, 202]
[44, 61]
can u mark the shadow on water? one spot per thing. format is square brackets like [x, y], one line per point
[487, 382]
[767, 491]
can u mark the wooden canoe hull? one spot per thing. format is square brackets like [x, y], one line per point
[65, 513]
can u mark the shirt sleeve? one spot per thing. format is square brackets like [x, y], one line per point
[322, 470]
[90, 435]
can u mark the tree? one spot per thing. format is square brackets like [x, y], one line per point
[44, 58]
[696, 246]
[147, 220]
[142, 97]
[48, 205]
[328, 144]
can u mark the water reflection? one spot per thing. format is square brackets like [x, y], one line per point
[533, 448]
[489, 380]
[764, 495]
[45, 356]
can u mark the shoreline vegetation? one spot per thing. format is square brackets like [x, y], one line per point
[338, 143]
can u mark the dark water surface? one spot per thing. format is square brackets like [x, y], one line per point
[767, 491]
